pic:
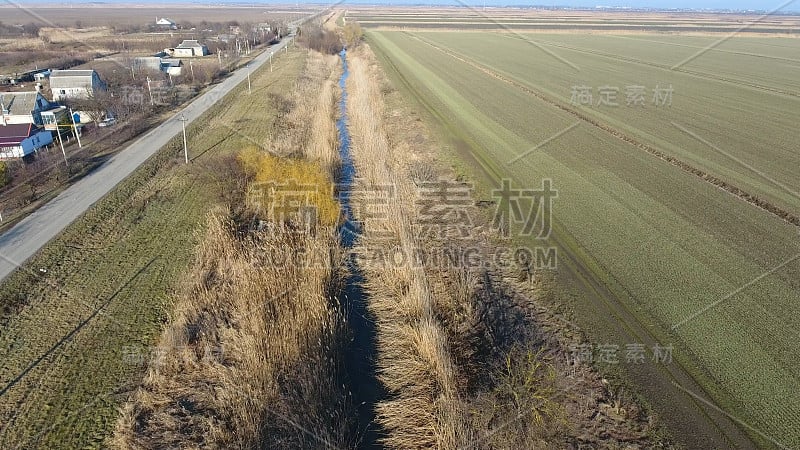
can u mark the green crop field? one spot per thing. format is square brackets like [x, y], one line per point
[533, 19]
[80, 319]
[714, 274]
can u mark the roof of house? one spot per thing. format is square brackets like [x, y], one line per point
[189, 44]
[13, 135]
[72, 73]
[171, 62]
[147, 61]
[165, 21]
[68, 78]
[18, 103]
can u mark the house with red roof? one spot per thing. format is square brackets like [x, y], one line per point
[22, 139]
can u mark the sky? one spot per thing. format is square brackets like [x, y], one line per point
[741, 5]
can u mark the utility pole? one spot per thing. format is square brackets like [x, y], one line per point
[149, 91]
[270, 61]
[183, 120]
[249, 89]
[63, 152]
[191, 68]
[75, 128]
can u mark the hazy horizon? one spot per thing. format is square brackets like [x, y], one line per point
[792, 6]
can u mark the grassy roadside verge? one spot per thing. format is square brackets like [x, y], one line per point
[79, 319]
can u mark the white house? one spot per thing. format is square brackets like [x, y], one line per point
[20, 140]
[29, 108]
[189, 49]
[41, 76]
[67, 84]
[172, 66]
[166, 23]
[147, 63]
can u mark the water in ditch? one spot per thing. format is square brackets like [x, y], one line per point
[360, 360]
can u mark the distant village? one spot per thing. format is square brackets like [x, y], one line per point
[31, 121]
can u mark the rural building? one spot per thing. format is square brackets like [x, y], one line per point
[189, 49]
[20, 140]
[166, 23]
[28, 108]
[147, 63]
[67, 84]
[172, 66]
[41, 76]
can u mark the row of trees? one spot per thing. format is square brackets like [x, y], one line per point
[323, 40]
[25, 30]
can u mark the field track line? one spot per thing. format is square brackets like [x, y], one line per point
[665, 67]
[707, 177]
[719, 50]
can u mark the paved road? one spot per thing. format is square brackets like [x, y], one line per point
[23, 240]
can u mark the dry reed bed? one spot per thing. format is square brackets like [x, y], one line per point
[424, 408]
[251, 355]
[468, 358]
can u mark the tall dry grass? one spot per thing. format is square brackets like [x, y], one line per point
[251, 355]
[307, 127]
[424, 409]
[456, 352]
[248, 359]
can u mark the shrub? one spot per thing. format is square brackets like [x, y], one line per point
[282, 189]
[5, 176]
[321, 40]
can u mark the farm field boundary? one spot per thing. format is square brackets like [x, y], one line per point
[710, 178]
[583, 274]
[440, 84]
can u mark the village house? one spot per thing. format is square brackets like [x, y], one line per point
[22, 139]
[189, 49]
[172, 66]
[152, 63]
[29, 108]
[27, 120]
[75, 84]
[166, 23]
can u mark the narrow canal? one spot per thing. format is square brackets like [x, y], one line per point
[360, 361]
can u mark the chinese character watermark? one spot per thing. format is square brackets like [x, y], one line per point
[511, 209]
[608, 96]
[605, 353]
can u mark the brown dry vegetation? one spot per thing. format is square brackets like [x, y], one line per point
[468, 356]
[251, 356]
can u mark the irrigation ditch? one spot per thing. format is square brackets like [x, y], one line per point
[361, 357]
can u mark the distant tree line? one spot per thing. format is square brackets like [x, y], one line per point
[25, 30]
